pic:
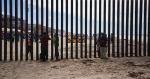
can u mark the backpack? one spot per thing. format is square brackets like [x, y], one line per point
[102, 43]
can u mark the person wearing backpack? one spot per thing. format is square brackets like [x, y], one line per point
[103, 47]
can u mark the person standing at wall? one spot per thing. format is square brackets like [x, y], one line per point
[29, 46]
[112, 38]
[44, 46]
[103, 47]
[56, 53]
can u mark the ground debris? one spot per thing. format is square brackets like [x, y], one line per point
[87, 61]
[135, 74]
[53, 66]
[132, 64]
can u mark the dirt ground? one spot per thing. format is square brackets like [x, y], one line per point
[90, 68]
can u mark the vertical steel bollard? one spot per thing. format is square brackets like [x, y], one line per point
[56, 47]
[47, 23]
[42, 24]
[81, 2]
[5, 30]
[31, 29]
[0, 30]
[149, 28]
[11, 30]
[26, 30]
[37, 25]
[136, 21]
[76, 29]
[118, 11]
[95, 28]
[90, 28]
[66, 29]
[99, 24]
[52, 29]
[145, 8]
[85, 28]
[131, 30]
[41, 17]
[122, 54]
[127, 19]
[109, 6]
[71, 28]
[61, 29]
[113, 45]
[140, 27]
[16, 30]
[105, 16]
[21, 42]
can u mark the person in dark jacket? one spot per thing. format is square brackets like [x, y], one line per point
[44, 46]
[103, 44]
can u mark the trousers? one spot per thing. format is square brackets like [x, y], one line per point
[44, 51]
[103, 52]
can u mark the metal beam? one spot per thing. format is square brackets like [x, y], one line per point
[118, 11]
[37, 25]
[109, 7]
[99, 24]
[56, 46]
[90, 28]
[105, 16]
[51, 29]
[95, 28]
[0, 30]
[113, 44]
[140, 27]
[149, 28]
[76, 28]
[127, 19]
[61, 29]
[41, 17]
[145, 8]
[66, 29]
[26, 29]
[131, 30]
[21, 42]
[81, 29]
[47, 25]
[136, 25]
[85, 28]
[31, 29]
[16, 29]
[71, 28]
[5, 30]
[122, 28]
[11, 49]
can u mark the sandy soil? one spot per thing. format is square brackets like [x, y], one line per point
[93, 68]
[90, 68]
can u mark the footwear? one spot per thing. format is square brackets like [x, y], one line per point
[40, 60]
[105, 58]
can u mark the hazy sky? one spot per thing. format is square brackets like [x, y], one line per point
[74, 14]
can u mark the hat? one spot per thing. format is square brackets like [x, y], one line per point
[103, 33]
